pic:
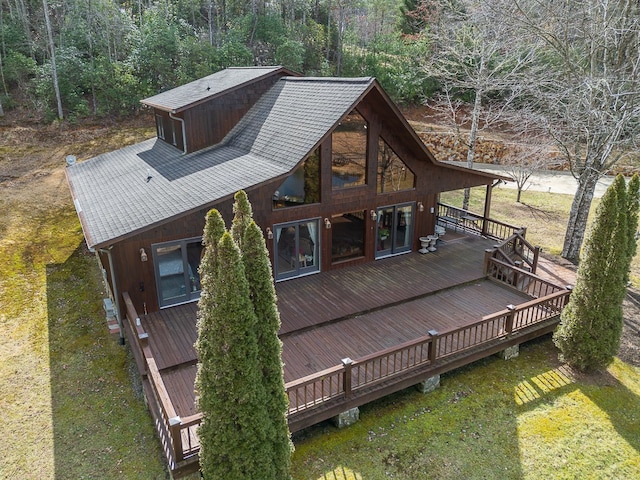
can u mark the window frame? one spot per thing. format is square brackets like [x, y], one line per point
[189, 295]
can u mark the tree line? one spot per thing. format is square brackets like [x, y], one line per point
[108, 54]
[564, 71]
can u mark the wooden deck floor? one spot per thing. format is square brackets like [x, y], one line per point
[352, 312]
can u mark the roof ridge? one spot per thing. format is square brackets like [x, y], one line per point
[330, 79]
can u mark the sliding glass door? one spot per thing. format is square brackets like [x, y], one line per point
[297, 249]
[394, 229]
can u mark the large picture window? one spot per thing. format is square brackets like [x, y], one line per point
[302, 187]
[349, 152]
[176, 267]
[393, 174]
[347, 236]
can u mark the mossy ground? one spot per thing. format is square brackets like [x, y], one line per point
[69, 406]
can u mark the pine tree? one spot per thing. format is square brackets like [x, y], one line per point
[591, 324]
[263, 295]
[242, 217]
[233, 433]
[633, 205]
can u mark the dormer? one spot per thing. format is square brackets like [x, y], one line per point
[199, 114]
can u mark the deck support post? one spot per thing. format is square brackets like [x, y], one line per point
[510, 352]
[347, 418]
[176, 437]
[429, 385]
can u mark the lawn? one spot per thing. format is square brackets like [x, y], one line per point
[72, 409]
[529, 417]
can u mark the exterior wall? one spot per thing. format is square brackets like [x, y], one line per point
[138, 278]
[206, 124]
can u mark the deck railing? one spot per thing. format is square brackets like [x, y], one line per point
[355, 378]
[475, 223]
[430, 350]
[177, 435]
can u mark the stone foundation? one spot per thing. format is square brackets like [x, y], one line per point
[509, 352]
[429, 385]
[347, 418]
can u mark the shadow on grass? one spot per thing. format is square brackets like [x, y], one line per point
[101, 427]
[612, 397]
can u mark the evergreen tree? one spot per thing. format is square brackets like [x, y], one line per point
[233, 438]
[591, 324]
[633, 205]
[263, 295]
[242, 217]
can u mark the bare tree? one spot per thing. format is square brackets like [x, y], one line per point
[590, 91]
[480, 68]
[54, 70]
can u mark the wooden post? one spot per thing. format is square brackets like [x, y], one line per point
[508, 327]
[346, 379]
[536, 255]
[487, 209]
[175, 431]
[487, 258]
[433, 346]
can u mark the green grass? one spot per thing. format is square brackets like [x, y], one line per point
[523, 418]
[69, 405]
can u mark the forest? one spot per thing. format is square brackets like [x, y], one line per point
[108, 54]
[565, 73]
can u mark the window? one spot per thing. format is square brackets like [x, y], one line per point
[297, 248]
[160, 126]
[176, 266]
[347, 236]
[349, 152]
[393, 174]
[302, 186]
[394, 230]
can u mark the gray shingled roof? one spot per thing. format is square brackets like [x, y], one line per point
[181, 97]
[114, 199]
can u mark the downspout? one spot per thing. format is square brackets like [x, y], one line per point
[114, 292]
[184, 132]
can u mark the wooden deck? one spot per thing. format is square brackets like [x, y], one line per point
[357, 313]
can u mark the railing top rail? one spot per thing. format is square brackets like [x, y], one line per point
[531, 303]
[387, 351]
[314, 377]
[480, 216]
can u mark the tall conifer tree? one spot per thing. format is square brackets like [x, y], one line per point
[260, 277]
[243, 215]
[233, 438]
[591, 324]
[633, 204]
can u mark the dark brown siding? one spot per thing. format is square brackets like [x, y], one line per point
[207, 123]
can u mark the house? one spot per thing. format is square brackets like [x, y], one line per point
[345, 193]
[334, 172]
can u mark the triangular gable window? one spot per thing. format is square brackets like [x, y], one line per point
[302, 187]
[393, 174]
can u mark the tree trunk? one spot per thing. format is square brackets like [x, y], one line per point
[577, 223]
[54, 70]
[473, 135]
